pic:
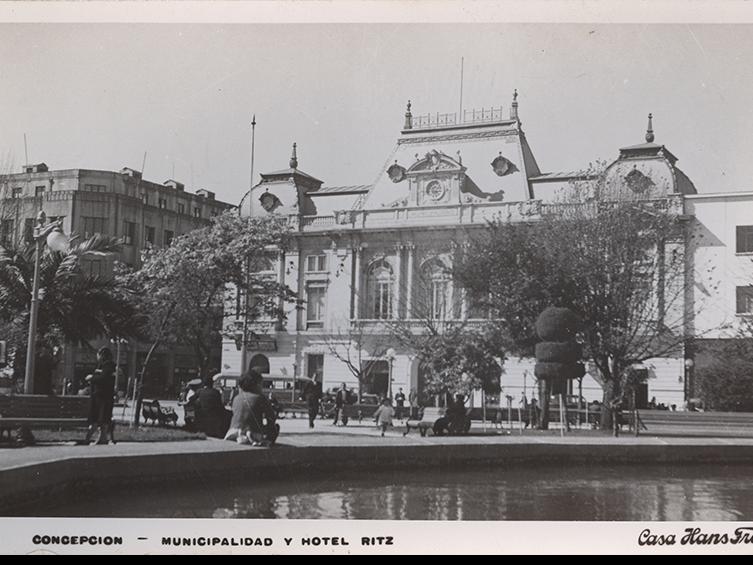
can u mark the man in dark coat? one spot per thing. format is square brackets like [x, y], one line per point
[342, 397]
[211, 416]
[102, 385]
[312, 394]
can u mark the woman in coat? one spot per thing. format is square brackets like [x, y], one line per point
[101, 399]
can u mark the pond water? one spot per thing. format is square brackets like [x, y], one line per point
[691, 493]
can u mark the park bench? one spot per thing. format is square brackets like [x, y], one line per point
[42, 411]
[151, 410]
[429, 417]
[293, 409]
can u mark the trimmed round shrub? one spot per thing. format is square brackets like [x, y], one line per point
[557, 324]
[554, 371]
[558, 351]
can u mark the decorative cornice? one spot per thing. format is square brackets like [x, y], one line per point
[458, 136]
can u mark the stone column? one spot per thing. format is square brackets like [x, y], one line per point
[398, 281]
[281, 280]
[409, 283]
[356, 290]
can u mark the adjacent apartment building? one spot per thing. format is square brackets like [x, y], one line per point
[121, 204]
[369, 254]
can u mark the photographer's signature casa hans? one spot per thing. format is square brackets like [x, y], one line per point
[696, 536]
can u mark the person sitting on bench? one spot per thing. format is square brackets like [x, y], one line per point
[211, 417]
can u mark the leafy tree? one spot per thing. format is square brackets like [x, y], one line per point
[614, 258]
[184, 289]
[724, 374]
[74, 306]
[457, 356]
[461, 360]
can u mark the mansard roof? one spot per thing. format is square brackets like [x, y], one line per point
[475, 141]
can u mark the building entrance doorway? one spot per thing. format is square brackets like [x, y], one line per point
[376, 378]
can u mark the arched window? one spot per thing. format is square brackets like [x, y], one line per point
[259, 363]
[380, 284]
[437, 289]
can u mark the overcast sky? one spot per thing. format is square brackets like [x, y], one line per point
[100, 95]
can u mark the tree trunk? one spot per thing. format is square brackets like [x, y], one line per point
[606, 403]
[545, 391]
[140, 381]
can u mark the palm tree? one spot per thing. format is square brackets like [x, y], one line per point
[74, 306]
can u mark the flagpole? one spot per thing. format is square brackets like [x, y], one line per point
[244, 346]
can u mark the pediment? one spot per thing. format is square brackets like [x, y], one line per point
[435, 161]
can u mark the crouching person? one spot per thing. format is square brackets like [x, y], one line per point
[254, 418]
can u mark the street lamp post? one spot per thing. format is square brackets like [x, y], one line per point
[118, 341]
[689, 364]
[390, 354]
[57, 241]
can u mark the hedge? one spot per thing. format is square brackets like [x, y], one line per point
[558, 351]
[557, 324]
[554, 371]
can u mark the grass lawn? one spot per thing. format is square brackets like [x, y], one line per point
[122, 434]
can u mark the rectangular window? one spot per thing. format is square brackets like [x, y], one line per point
[439, 292]
[29, 224]
[316, 263]
[129, 232]
[39, 190]
[17, 192]
[197, 212]
[168, 237]
[744, 239]
[95, 187]
[383, 300]
[93, 225]
[315, 366]
[145, 198]
[744, 299]
[316, 297]
[6, 232]
[181, 208]
[163, 203]
[149, 235]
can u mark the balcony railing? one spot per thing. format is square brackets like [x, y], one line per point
[453, 214]
[475, 116]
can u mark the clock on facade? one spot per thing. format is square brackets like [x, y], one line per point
[435, 190]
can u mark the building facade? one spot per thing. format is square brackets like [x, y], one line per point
[368, 256]
[120, 204]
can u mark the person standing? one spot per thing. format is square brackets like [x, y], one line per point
[101, 401]
[399, 404]
[312, 394]
[383, 415]
[533, 417]
[341, 399]
[413, 402]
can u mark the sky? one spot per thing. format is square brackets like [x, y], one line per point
[100, 96]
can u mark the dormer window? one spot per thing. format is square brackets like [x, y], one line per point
[638, 182]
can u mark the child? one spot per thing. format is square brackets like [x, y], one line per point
[383, 415]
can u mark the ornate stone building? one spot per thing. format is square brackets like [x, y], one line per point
[369, 256]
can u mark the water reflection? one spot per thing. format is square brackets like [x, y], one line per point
[570, 493]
